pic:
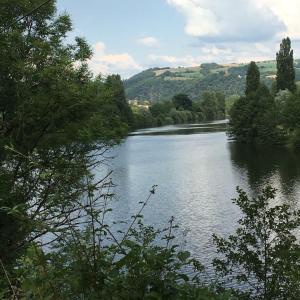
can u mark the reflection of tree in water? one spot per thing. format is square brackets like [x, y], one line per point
[275, 165]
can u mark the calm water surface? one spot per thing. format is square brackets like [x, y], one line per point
[197, 169]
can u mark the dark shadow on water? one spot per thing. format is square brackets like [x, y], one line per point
[278, 166]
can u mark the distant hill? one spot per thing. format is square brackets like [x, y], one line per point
[158, 84]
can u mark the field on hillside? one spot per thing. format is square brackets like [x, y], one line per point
[159, 84]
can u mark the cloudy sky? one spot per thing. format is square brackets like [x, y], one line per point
[128, 36]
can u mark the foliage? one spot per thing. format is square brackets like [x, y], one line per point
[115, 88]
[211, 106]
[182, 101]
[143, 118]
[253, 118]
[285, 67]
[55, 120]
[264, 255]
[290, 108]
[252, 78]
[92, 262]
[269, 117]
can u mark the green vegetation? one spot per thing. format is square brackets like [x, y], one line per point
[211, 106]
[285, 67]
[264, 254]
[252, 78]
[53, 116]
[94, 264]
[56, 241]
[160, 84]
[264, 116]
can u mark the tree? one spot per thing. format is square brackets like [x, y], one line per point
[252, 79]
[213, 105]
[263, 255]
[265, 118]
[241, 119]
[253, 118]
[285, 67]
[182, 101]
[54, 121]
[115, 89]
[291, 117]
[220, 105]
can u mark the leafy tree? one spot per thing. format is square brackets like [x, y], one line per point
[285, 67]
[182, 101]
[263, 255]
[252, 78]
[264, 121]
[53, 116]
[159, 108]
[213, 105]
[290, 109]
[143, 118]
[115, 89]
[281, 101]
[253, 118]
[229, 103]
[241, 118]
[220, 105]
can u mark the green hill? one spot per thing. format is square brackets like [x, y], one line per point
[158, 84]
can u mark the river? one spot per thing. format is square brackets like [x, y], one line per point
[197, 168]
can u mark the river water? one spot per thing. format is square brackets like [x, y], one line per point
[197, 168]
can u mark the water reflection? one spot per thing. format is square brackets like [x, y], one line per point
[278, 166]
[184, 129]
[197, 176]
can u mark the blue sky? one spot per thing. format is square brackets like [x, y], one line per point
[128, 36]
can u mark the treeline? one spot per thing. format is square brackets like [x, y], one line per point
[211, 106]
[266, 115]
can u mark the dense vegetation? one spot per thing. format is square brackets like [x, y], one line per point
[211, 106]
[54, 115]
[56, 242]
[160, 84]
[266, 115]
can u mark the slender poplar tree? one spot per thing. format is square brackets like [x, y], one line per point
[252, 79]
[285, 66]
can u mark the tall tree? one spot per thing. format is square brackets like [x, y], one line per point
[285, 66]
[115, 87]
[252, 79]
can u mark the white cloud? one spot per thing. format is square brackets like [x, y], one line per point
[287, 11]
[232, 53]
[173, 61]
[99, 48]
[183, 61]
[237, 30]
[200, 21]
[230, 20]
[106, 63]
[149, 41]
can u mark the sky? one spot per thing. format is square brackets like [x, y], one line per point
[128, 36]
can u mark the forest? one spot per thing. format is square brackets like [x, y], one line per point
[58, 121]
